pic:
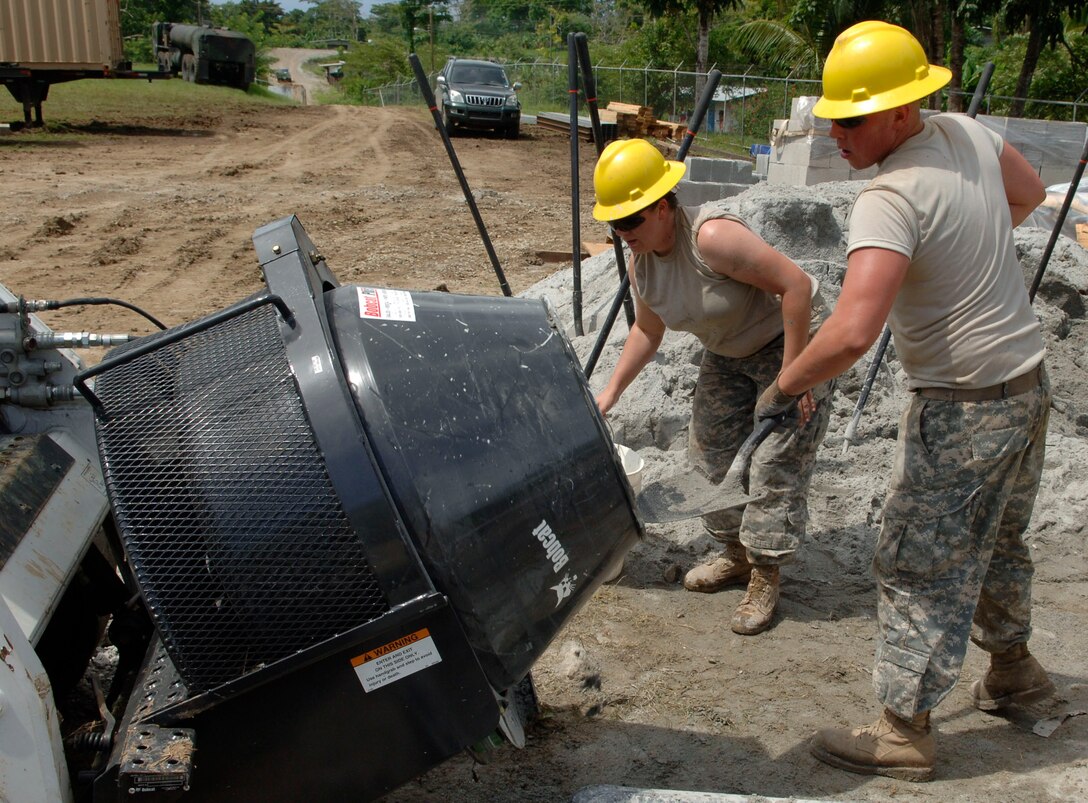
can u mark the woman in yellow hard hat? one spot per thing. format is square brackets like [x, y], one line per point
[702, 270]
[930, 249]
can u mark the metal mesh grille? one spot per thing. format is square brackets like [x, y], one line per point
[484, 100]
[236, 536]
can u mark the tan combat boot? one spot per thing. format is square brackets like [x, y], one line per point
[893, 747]
[1015, 677]
[732, 567]
[756, 610]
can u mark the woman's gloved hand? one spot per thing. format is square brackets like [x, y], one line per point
[773, 402]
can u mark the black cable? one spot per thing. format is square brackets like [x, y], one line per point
[75, 302]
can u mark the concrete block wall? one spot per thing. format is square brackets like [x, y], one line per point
[1052, 147]
[709, 179]
[808, 158]
[734, 171]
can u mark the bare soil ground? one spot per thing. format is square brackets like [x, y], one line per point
[164, 212]
[647, 686]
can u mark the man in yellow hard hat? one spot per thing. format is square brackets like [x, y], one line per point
[930, 249]
[702, 270]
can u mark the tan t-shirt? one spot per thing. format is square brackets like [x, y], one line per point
[962, 317]
[731, 318]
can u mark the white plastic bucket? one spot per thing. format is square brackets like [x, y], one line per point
[633, 464]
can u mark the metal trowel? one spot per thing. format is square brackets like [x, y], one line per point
[689, 493]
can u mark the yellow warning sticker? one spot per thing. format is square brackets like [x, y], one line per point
[397, 659]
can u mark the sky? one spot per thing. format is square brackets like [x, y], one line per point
[290, 5]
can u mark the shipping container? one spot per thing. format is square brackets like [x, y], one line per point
[61, 34]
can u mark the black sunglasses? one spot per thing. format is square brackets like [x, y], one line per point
[629, 223]
[850, 122]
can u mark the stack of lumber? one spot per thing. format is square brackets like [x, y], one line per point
[557, 121]
[640, 121]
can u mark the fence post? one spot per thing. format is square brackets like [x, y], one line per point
[744, 102]
[674, 89]
[786, 97]
[674, 93]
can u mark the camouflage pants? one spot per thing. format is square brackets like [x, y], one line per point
[722, 416]
[951, 546]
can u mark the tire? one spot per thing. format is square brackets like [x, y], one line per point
[448, 122]
[513, 131]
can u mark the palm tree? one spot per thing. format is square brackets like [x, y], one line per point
[799, 42]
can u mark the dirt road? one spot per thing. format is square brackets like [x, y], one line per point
[292, 59]
[647, 686]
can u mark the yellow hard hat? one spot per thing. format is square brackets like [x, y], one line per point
[874, 66]
[630, 175]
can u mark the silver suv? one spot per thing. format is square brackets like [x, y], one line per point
[477, 94]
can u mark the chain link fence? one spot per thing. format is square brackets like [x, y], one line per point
[745, 105]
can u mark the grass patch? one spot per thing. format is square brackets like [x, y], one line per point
[131, 102]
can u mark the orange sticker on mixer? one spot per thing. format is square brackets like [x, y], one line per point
[397, 659]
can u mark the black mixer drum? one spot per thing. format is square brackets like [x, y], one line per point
[343, 506]
[493, 450]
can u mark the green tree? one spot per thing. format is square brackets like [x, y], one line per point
[336, 19]
[265, 13]
[705, 12]
[386, 17]
[502, 16]
[1059, 74]
[418, 16]
[378, 62]
[1044, 22]
[237, 17]
[797, 42]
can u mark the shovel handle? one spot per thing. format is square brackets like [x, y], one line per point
[738, 469]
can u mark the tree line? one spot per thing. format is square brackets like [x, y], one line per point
[1040, 47]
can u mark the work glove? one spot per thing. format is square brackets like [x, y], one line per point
[773, 402]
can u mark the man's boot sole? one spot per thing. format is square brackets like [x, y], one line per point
[1025, 697]
[913, 774]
